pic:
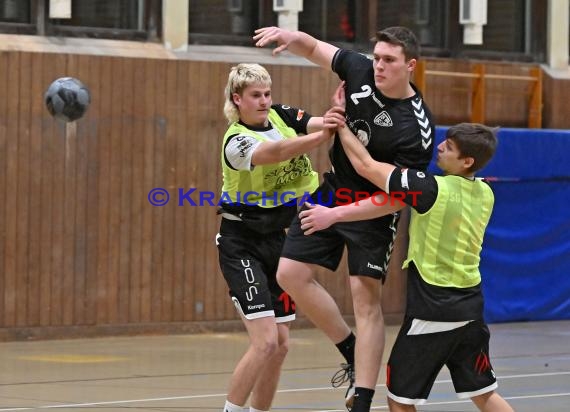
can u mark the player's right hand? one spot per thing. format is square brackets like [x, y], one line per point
[315, 218]
[268, 35]
[334, 118]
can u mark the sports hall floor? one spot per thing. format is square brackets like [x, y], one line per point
[190, 372]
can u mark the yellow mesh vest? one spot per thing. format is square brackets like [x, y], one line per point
[445, 242]
[268, 185]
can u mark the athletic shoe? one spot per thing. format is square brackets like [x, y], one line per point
[346, 374]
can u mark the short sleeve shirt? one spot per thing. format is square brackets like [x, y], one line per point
[239, 148]
[425, 301]
[396, 131]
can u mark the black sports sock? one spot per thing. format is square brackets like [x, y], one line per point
[346, 348]
[362, 399]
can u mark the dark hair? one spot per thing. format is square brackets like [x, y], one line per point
[401, 36]
[474, 140]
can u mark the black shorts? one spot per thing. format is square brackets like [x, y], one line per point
[369, 245]
[248, 261]
[416, 360]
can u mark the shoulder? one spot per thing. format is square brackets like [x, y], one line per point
[235, 130]
[351, 55]
[240, 143]
[238, 150]
[485, 185]
[346, 61]
[286, 112]
[291, 117]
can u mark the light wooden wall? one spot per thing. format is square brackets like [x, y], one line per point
[555, 110]
[80, 245]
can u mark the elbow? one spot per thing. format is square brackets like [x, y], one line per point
[363, 168]
[359, 168]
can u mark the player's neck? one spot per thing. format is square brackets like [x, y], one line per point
[399, 93]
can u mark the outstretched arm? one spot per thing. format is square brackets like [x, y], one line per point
[321, 129]
[376, 172]
[298, 43]
[274, 152]
[318, 217]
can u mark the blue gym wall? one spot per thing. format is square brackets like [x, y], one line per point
[525, 263]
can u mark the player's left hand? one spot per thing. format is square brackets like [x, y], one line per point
[339, 96]
[315, 218]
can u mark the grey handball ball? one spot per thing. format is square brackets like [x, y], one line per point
[67, 99]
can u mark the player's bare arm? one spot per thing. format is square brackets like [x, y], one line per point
[298, 43]
[376, 172]
[315, 124]
[274, 152]
[318, 217]
[320, 129]
[332, 119]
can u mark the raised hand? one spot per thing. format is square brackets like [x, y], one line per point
[267, 35]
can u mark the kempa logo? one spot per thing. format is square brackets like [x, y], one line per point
[375, 267]
[251, 307]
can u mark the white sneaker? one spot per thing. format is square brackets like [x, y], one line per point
[346, 374]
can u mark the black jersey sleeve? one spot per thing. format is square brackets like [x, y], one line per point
[346, 62]
[293, 117]
[415, 187]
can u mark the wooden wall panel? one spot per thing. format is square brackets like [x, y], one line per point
[180, 172]
[557, 93]
[4, 56]
[191, 284]
[34, 252]
[11, 201]
[83, 252]
[454, 105]
[103, 101]
[126, 204]
[450, 98]
[136, 189]
[507, 100]
[22, 213]
[92, 181]
[148, 118]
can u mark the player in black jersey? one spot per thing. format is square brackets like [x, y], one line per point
[388, 115]
[262, 161]
[444, 311]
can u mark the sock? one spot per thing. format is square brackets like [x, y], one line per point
[346, 348]
[230, 407]
[362, 399]
[252, 409]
